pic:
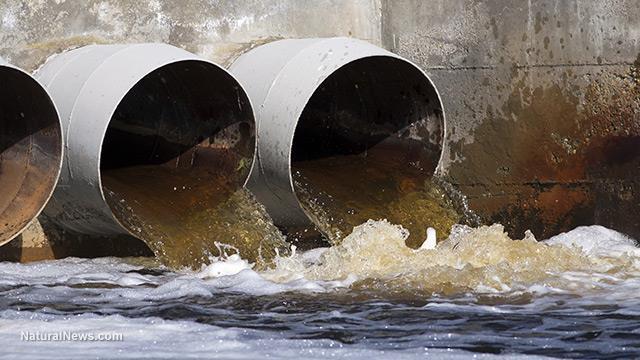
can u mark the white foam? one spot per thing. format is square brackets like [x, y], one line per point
[596, 240]
[70, 271]
[230, 265]
[430, 242]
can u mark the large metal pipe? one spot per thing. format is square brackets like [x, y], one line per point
[149, 129]
[30, 149]
[324, 98]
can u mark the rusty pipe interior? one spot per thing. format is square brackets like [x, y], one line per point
[30, 150]
[178, 144]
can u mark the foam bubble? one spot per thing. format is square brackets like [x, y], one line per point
[596, 240]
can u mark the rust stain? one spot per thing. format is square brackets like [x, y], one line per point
[558, 155]
[30, 151]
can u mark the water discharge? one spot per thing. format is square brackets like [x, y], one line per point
[199, 215]
[341, 192]
[175, 156]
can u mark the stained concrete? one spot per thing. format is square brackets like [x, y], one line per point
[32, 30]
[542, 102]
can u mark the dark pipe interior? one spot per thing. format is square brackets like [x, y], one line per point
[30, 150]
[371, 132]
[179, 143]
[366, 103]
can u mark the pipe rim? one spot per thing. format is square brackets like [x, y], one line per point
[436, 170]
[61, 152]
[89, 83]
[111, 114]
[358, 50]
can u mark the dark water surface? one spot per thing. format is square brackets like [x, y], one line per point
[228, 310]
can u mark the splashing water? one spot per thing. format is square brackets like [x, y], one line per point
[483, 259]
[478, 292]
[404, 195]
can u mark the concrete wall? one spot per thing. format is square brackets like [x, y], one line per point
[32, 30]
[543, 105]
[542, 96]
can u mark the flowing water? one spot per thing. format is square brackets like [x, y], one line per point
[386, 188]
[198, 213]
[477, 293]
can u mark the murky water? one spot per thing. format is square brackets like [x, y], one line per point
[187, 216]
[478, 292]
[341, 192]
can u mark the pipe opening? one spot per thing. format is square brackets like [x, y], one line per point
[179, 144]
[30, 150]
[366, 147]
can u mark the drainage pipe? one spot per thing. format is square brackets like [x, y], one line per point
[326, 98]
[30, 150]
[152, 133]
